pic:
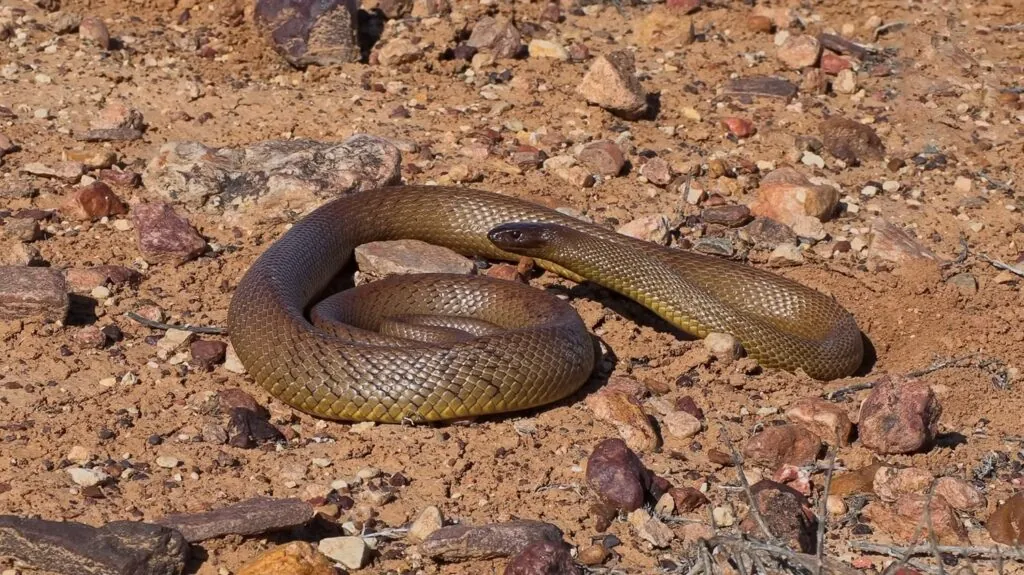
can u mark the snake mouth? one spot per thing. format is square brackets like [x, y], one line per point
[524, 238]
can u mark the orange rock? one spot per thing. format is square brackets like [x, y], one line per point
[295, 558]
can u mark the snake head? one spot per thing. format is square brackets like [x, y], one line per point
[528, 239]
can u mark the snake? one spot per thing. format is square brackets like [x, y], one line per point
[429, 347]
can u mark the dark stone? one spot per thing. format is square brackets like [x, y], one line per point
[461, 542]
[71, 548]
[785, 512]
[850, 140]
[618, 476]
[761, 86]
[250, 517]
[247, 429]
[732, 216]
[543, 558]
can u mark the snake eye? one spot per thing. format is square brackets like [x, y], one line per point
[516, 235]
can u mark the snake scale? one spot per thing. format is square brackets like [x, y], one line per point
[383, 351]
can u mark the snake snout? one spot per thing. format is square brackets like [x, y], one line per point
[522, 237]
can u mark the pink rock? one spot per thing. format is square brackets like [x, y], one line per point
[684, 6]
[960, 494]
[657, 171]
[891, 483]
[826, 419]
[33, 293]
[603, 157]
[612, 83]
[786, 195]
[499, 36]
[83, 280]
[799, 52]
[901, 415]
[781, 444]
[165, 236]
[833, 64]
[617, 475]
[739, 127]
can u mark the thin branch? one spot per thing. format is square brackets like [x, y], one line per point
[1003, 266]
[823, 511]
[746, 489]
[166, 326]
[940, 364]
[839, 393]
[987, 553]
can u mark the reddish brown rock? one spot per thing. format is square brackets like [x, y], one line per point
[850, 140]
[498, 36]
[94, 201]
[33, 293]
[617, 475]
[684, 6]
[767, 86]
[165, 236]
[781, 444]
[786, 513]
[83, 280]
[739, 127]
[90, 337]
[760, 24]
[308, 32]
[787, 196]
[687, 499]
[116, 122]
[892, 243]
[543, 558]
[824, 418]
[901, 520]
[92, 30]
[657, 171]
[603, 157]
[248, 517]
[833, 64]
[612, 84]
[901, 415]
[1006, 524]
[731, 216]
[687, 404]
[207, 353]
[461, 542]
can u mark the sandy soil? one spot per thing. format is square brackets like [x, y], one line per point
[527, 465]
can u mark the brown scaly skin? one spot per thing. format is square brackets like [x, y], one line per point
[339, 369]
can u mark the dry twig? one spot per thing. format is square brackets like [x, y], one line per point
[166, 326]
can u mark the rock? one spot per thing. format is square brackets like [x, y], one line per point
[901, 415]
[730, 216]
[603, 157]
[901, 520]
[383, 259]
[71, 548]
[657, 171]
[430, 8]
[593, 555]
[70, 172]
[892, 243]
[612, 84]
[723, 516]
[92, 30]
[429, 520]
[760, 24]
[653, 228]
[1006, 524]
[231, 361]
[94, 201]
[739, 127]
[761, 86]
[680, 424]
[687, 404]
[823, 418]
[845, 82]
[295, 558]
[91, 337]
[22, 229]
[859, 481]
[786, 255]
[462, 542]
[33, 293]
[542, 558]
[87, 477]
[627, 415]
[500, 37]
[310, 32]
[664, 29]
[766, 231]
[116, 122]
[83, 280]
[782, 444]
[960, 494]
[173, 340]
[799, 52]
[248, 429]
[249, 517]
[20, 255]
[351, 552]
[891, 483]
[617, 475]
[965, 283]
[650, 529]
[786, 513]
[785, 195]
[835, 506]
[684, 6]
[399, 51]
[850, 140]
[207, 353]
[167, 461]
[687, 499]
[833, 64]
[539, 48]
[165, 236]
[723, 346]
[276, 174]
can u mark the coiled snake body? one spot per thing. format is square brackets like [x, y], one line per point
[505, 346]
